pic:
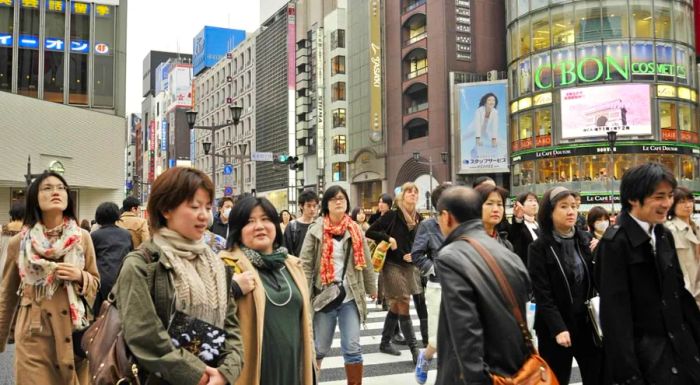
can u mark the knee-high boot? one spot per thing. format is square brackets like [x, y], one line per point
[390, 322]
[422, 310]
[353, 372]
[410, 335]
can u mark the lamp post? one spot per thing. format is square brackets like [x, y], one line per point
[430, 163]
[612, 138]
[211, 146]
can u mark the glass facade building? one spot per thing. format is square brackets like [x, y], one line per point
[60, 51]
[578, 69]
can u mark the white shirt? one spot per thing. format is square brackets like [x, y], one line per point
[338, 262]
[649, 229]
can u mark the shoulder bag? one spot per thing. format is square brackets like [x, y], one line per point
[333, 294]
[535, 370]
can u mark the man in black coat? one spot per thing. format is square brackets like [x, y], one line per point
[477, 333]
[651, 325]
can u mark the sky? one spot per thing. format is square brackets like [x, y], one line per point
[166, 25]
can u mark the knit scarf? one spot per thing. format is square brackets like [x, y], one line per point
[199, 276]
[410, 217]
[572, 259]
[266, 261]
[40, 252]
[329, 230]
[530, 219]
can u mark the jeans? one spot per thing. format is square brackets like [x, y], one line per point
[348, 318]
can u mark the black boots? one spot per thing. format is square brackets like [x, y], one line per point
[424, 331]
[390, 323]
[398, 338]
[410, 335]
[422, 310]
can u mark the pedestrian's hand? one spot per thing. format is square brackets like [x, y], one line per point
[564, 339]
[205, 378]
[69, 272]
[518, 211]
[246, 281]
[215, 376]
[373, 296]
[594, 243]
[407, 257]
[392, 243]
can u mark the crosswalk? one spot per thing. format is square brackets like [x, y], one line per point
[380, 368]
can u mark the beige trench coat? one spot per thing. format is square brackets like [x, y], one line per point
[43, 330]
[688, 250]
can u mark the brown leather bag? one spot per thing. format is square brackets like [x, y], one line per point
[534, 370]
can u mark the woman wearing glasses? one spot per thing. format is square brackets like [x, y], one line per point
[51, 273]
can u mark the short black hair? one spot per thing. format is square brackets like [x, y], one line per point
[240, 214]
[17, 211]
[307, 196]
[437, 192]
[485, 190]
[32, 214]
[220, 204]
[330, 193]
[107, 213]
[680, 193]
[639, 182]
[130, 202]
[462, 202]
[594, 215]
[386, 198]
[547, 205]
[485, 98]
[354, 213]
[482, 179]
[523, 197]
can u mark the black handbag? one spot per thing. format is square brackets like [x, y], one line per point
[331, 296]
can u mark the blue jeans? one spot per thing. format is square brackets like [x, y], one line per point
[348, 318]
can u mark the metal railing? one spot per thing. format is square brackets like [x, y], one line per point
[415, 39]
[413, 5]
[416, 108]
[416, 73]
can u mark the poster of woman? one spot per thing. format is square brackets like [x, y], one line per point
[481, 110]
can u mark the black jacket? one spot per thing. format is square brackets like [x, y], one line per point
[219, 228]
[651, 324]
[393, 225]
[477, 333]
[112, 244]
[521, 238]
[554, 286]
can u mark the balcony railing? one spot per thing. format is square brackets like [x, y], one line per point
[416, 73]
[416, 108]
[413, 5]
[415, 39]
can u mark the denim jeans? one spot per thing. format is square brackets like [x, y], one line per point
[348, 318]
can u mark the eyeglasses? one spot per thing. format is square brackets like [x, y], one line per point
[47, 189]
[337, 199]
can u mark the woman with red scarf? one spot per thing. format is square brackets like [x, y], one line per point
[335, 252]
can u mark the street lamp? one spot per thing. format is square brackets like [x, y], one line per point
[191, 117]
[429, 163]
[612, 138]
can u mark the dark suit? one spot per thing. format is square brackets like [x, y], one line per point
[521, 238]
[112, 244]
[651, 325]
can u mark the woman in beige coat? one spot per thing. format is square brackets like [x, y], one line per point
[686, 236]
[275, 316]
[51, 264]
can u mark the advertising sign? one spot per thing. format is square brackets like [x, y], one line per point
[211, 44]
[593, 111]
[375, 59]
[180, 86]
[481, 120]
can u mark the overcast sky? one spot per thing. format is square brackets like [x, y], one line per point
[166, 25]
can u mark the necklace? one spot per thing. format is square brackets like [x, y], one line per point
[279, 287]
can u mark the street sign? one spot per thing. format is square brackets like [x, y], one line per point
[228, 190]
[228, 169]
[261, 156]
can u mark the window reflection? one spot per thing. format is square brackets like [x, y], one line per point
[662, 19]
[523, 173]
[588, 21]
[641, 18]
[668, 120]
[682, 22]
[563, 25]
[540, 31]
[524, 36]
[525, 126]
[514, 134]
[687, 168]
[615, 19]
[543, 127]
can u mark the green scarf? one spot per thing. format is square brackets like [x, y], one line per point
[266, 261]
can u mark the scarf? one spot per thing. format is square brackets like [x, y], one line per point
[329, 230]
[199, 276]
[40, 252]
[572, 259]
[410, 217]
[266, 261]
[530, 219]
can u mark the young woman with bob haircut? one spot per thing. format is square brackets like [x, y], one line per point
[686, 236]
[51, 273]
[275, 316]
[598, 221]
[525, 228]
[493, 200]
[561, 269]
[335, 250]
[179, 210]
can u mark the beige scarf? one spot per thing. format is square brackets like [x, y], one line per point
[198, 274]
[409, 216]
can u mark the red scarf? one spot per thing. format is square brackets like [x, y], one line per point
[330, 230]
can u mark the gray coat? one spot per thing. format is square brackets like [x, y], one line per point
[362, 282]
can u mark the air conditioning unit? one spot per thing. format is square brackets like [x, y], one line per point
[229, 79]
[229, 100]
[492, 75]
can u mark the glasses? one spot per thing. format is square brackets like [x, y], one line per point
[48, 189]
[337, 199]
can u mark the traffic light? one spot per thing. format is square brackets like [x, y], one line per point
[282, 158]
[292, 162]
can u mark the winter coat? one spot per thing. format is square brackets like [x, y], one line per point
[43, 330]
[251, 314]
[520, 237]
[219, 228]
[362, 283]
[8, 231]
[138, 227]
[477, 332]
[393, 225]
[147, 337]
[651, 324]
[687, 242]
[112, 244]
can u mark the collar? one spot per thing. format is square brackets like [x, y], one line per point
[128, 214]
[638, 231]
[646, 226]
[470, 225]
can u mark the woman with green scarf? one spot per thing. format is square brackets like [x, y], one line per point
[275, 316]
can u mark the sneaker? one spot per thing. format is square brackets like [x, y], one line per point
[422, 367]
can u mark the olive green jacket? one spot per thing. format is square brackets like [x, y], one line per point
[147, 338]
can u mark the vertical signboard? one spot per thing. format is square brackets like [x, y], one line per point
[291, 101]
[180, 86]
[375, 59]
[320, 133]
[481, 121]
[152, 150]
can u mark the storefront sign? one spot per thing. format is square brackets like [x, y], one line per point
[598, 198]
[633, 148]
[28, 41]
[375, 59]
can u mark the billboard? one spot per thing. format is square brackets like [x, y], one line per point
[482, 127]
[590, 112]
[180, 86]
[211, 44]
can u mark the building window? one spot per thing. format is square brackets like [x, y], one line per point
[524, 36]
[662, 19]
[338, 39]
[338, 65]
[338, 91]
[54, 52]
[562, 25]
[339, 145]
[104, 61]
[541, 31]
[525, 127]
[416, 128]
[514, 134]
[543, 127]
[339, 117]
[79, 36]
[340, 172]
[6, 28]
[28, 72]
[523, 173]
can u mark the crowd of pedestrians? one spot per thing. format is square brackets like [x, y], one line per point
[620, 294]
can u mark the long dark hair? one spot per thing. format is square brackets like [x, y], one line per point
[33, 213]
[547, 205]
[240, 214]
